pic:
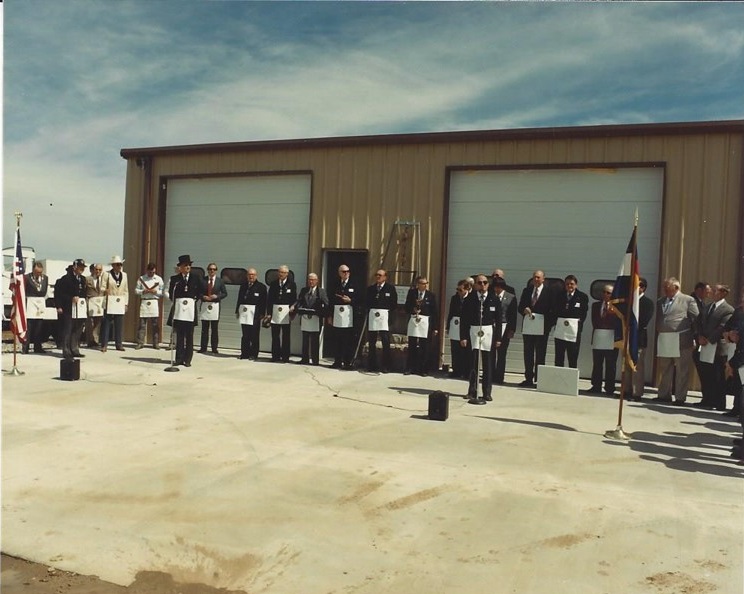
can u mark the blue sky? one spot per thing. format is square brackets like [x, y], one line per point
[83, 79]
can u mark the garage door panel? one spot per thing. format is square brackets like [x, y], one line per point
[563, 221]
[253, 221]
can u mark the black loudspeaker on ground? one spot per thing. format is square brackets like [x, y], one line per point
[69, 369]
[438, 406]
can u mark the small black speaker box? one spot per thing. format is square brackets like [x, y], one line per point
[69, 369]
[438, 406]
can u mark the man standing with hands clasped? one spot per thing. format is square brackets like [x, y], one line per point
[571, 308]
[213, 291]
[149, 287]
[382, 299]
[536, 306]
[480, 329]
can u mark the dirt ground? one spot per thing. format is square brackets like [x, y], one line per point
[23, 577]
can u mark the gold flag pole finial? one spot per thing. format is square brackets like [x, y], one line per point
[18, 215]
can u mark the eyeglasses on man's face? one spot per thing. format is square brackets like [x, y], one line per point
[212, 269]
[481, 282]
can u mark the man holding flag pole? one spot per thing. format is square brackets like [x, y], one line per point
[18, 294]
[626, 295]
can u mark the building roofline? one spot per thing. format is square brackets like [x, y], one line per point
[550, 133]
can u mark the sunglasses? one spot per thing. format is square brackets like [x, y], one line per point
[212, 269]
[481, 282]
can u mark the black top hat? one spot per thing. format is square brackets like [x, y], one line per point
[185, 259]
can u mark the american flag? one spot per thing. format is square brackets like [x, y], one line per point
[18, 292]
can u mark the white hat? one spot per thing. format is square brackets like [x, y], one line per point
[116, 260]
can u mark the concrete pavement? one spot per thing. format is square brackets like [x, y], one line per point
[277, 478]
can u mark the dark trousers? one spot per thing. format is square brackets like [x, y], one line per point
[461, 359]
[713, 382]
[184, 341]
[535, 348]
[345, 346]
[418, 355]
[563, 348]
[500, 360]
[311, 347]
[249, 341]
[608, 360]
[280, 342]
[113, 323]
[384, 336]
[485, 366]
[208, 325]
[70, 334]
[34, 335]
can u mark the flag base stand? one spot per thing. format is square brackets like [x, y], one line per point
[617, 433]
[476, 400]
[172, 368]
[15, 371]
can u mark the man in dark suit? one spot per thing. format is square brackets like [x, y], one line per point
[604, 353]
[381, 301]
[250, 310]
[571, 304]
[508, 325]
[312, 305]
[281, 295]
[481, 333]
[68, 290]
[710, 335]
[701, 294]
[645, 314]
[345, 300]
[460, 355]
[421, 305]
[536, 299]
[37, 284]
[213, 291]
[184, 289]
[498, 273]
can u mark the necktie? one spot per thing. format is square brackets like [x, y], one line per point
[712, 308]
[604, 309]
[98, 283]
[534, 297]
[421, 296]
[209, 287]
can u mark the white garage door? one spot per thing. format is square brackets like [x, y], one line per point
[241, 222]
[562, 221]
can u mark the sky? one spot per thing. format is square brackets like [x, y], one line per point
[85, 78]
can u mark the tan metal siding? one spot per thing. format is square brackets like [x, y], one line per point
[360, 191]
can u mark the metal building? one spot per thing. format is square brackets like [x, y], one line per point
[449, 205]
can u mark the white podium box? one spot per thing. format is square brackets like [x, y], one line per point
[558, 380]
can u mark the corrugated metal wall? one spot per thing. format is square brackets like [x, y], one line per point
[360, 190]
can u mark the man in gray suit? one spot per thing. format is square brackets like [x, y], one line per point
[677, 319]
[712, 379]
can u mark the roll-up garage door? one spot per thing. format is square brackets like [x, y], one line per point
[561, 221]
[256, 222]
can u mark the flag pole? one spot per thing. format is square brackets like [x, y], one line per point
[618, 432]
[15, 371]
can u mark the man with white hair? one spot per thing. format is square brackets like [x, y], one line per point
[281, 296]
[677, 320]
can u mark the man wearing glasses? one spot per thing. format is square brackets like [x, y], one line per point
[421, 305]
[213, 291]
[382, 299]
[535, 303]
[344, 299]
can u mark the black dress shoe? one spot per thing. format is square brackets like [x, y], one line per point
[78, 355]
[731, 413]
[526, 384]
[202, 351]
[701, 405]
[678, 403]
[187, 364]
[407, 372]
[488, 398]
[662, 400]
[336, 365]
[215, 352]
